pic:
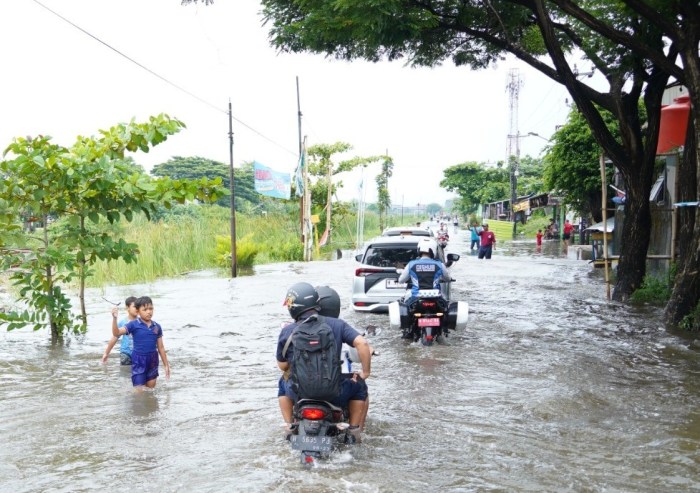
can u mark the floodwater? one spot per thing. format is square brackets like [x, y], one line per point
[549, 389]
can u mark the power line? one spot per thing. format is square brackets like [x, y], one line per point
[164, 79]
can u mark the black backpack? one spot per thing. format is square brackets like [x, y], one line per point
[315, 369]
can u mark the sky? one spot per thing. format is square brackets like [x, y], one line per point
[91, 64]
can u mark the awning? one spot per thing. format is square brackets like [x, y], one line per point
[609, 226]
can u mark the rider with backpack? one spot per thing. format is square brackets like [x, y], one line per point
[308, 351]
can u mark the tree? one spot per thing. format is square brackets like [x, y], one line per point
[321, 166]
[383, 197]
[194, 168]
[572, 165]
[619, 40]
[90, 183]
[476, 184]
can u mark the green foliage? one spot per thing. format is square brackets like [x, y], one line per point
[691, 322]
[246, 251]
[572, 163]
[481, 184]
[86, 187]
[383, 197]
[319, 164]
[194, 168]
[654, 291]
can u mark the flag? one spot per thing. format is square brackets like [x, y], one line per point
[299, 176]
[324, 238]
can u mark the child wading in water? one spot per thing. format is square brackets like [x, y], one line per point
[148, 344]
[127, 343]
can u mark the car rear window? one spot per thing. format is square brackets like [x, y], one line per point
[408, 233]
[390, 255]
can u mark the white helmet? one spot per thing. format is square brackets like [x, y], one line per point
[427, 245]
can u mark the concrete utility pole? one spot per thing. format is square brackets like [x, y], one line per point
[513, 145]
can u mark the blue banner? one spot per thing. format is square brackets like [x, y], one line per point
[271, 183]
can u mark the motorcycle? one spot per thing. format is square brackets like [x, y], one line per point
[428, 317]
[319, 426]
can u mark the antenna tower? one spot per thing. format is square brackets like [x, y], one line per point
[513, 88]
[513, 144]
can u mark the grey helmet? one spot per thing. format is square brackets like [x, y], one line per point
[301, 297]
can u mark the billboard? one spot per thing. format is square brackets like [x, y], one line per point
[270, 182]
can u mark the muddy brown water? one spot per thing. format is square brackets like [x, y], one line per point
[550, 388]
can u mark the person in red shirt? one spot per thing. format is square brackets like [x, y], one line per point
[488, 242]
[538, 236]
[568, 228]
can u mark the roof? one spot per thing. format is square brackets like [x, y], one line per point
[609, 227]
[407, 231]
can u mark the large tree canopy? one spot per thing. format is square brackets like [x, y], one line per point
[195, 167]
[634, 44]
[572, 165]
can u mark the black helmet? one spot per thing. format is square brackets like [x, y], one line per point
[301, 297]
[328, 301]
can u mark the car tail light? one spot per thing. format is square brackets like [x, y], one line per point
[313, 413]
[364, 271]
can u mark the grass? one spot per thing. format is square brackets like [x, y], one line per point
[198, 237]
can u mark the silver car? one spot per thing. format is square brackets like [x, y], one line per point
[375, 284]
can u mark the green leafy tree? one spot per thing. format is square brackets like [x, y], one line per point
[322, 168]
[572, 164]
[383, 197]
[83, 186]
[624, 41]
[193, 168]
[476, 184]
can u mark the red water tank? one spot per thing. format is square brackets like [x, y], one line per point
[674, 124]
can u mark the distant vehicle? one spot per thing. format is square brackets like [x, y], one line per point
[375, 283]
[407, 231]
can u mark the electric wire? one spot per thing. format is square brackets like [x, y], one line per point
[164, 79]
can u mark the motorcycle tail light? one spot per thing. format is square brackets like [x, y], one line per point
[428, 304]
[313, 413]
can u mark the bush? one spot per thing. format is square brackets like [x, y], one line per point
[653, 290]
[691, 322]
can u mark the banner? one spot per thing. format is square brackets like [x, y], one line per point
[271, 183]
[298, 176]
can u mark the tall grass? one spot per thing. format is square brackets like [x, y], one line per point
[166, 249]
[186, 239]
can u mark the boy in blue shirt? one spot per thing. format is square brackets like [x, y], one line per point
[148, 344]
[127, 343]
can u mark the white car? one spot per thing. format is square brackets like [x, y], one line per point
[375, 284]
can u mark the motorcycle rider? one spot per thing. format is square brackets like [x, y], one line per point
[425, 272]
[302, 302]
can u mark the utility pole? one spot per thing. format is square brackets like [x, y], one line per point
[513, 145]
[302, 205]
[234, 266]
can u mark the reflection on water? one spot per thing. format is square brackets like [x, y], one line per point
[144, 403]
[550, 388]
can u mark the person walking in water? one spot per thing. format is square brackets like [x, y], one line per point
[475, 230]
[488, 242]
[148, 344]
[568, 229]
[127, 344]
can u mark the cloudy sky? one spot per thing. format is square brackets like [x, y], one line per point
[72, 68]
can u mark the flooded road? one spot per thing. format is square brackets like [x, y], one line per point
[550, 388]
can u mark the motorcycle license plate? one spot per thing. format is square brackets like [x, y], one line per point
[394, 284]
[429, 322]
[312, 443]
